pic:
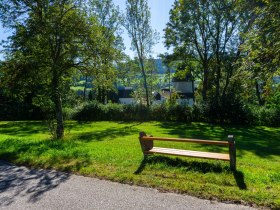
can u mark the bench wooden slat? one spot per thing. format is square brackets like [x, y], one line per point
[189, 153]
[223, 143]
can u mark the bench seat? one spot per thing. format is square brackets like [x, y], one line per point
[189, 153]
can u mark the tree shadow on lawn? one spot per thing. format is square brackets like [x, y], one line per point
[107, 134]
[259, 140]
[17, 182]
[202, 167]
[22, 128]
[64, 155]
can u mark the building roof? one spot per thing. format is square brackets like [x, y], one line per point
[125, 92]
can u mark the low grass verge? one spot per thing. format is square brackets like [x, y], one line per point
[111, 150]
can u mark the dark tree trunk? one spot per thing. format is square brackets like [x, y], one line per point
[103, 95]
[58, 106]
[59, 117]
[85, 89]
[218, 78]
[205, 82]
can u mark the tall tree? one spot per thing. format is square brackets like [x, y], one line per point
[50, 39]
[262, 44]
[206, 32]
[143, 37]
[110, 18]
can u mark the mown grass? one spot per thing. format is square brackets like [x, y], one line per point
[111, 150]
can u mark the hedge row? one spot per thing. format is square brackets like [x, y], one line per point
[250, 115]
[97, 112]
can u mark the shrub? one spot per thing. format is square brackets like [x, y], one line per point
[262, 115]
[68, 113]
[159, 112]
[95, 111]
[232, 113]
[88, 111]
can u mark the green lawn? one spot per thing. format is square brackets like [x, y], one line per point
[111, 150]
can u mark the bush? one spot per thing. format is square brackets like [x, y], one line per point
[268, 116]
[230, 113]
[229, 110]
[13, 109]
[159, 112]
[68, 113]
[95, 111]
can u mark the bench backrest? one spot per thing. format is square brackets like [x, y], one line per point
[199, 141]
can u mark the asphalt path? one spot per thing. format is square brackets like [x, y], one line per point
[23, 188]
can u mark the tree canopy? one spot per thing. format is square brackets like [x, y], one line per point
[50, 40]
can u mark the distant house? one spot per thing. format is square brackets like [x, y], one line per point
[185, 89]
[276, 79]
[158, 98]
[125, 95]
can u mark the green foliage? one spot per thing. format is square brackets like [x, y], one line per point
[260, 62]
[263, 41]
[104, 71]
[95, 111]
[50, 41]
[262, 115]
[274, 100]
[205, 36]
[233, 48]
[13, 109]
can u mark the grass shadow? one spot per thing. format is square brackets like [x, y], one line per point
[23, 128]
[202, 167]
[63, 155]
[239, 178]
[107, 134]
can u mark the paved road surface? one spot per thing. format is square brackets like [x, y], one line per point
[22, 188]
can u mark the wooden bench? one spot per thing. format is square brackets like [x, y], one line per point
[147, 145]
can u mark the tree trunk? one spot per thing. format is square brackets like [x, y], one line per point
[59, 117]
[261, 102]
[85, 89]
[145, 82]
[205, 81]
[98, 97]
[218, 78]
[169, 78]
[103, 95]
[58, 106]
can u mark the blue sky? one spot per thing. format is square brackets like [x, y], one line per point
[159, 18]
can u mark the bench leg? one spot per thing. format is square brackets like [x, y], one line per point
[146, 145]
[232, 152]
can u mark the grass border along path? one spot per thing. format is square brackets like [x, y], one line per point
[111, 150]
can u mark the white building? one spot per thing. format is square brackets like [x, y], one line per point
[185, 89]
[125, 95]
